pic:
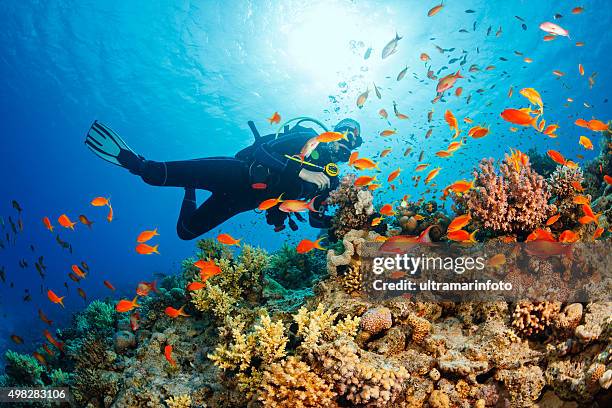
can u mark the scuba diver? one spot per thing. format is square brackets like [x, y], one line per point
[271, 166]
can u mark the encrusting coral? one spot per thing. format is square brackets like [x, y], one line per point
[355, 207]
[531, 318]
[180, 401]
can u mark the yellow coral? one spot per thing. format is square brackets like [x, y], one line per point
[213, 298]
[181, 401]
[420, 328]
[319, 325]
[271, 339]
[292, 384]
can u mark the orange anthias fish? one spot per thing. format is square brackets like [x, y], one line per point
[48, 350]
[85, 221]
[552, 219]
[54, 298]
[364, 163]
[16, 339]
[168, 355]
[363, 181]
[433, 173]
[424, 57]
[461, 186]
[388, 132]
[462, 236]
[44, 318]
[145, 236]
[421, 167]
[373, 186]
[275, 118]
[518, 117]
[80, 273]
[65, 222]
[174, 313]
[580, 199]
[496, 260]
[362, 98]
[207, 268]
[443, 153]
[82, 293]
[111, 214]
[383, 113]
[598, 232]
[307, 245]
[556, 157]
[354, 156]
[227, 239]
[447, 82]
[568, 236]
[435, 10]
[109, 285]
[193, 286]
[577, 185]
[393, 175]
[135, 321]
[597, 125]
[52, 340]
[100, 202]
[533, 97]
[585, 142]
[580, 69]
[270, 202]
[398, 243]
[459, 222]
[540, 235]
[125, 305]
[607, 179]
[144, 249]
[387, 210]
[144, 288]
[328, 137]
[452, 122]
[47, 223]
[385, 152]
[290, 206]
[478, 131]
[40, 358]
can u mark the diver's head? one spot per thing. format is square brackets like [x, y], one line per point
[342, 148]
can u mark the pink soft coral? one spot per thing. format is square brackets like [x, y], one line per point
[514, 200]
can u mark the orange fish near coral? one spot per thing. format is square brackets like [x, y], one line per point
[193, 286]
[144, 249]
[275, 118]
[459, 222]
[290, 206]
[598, 232]
[307, 245]
[597, 125]
[552, 219]
[65, 222]
[365, 163]
[144, 288]
[168, 355]
[556, 157]
[518, 117]
[47, 223]
[568, 236]
[363, 181]
[452, 122]
[387, 210]
[227, 239]
[16, 339]
[145, 236]
[54, 298]
[462, 236]
[125, 305]
[496, 260]
[52, 340]
[580, 199]
[174, 313]
[461, 186]
[40, 358]
[585, 142]
[207, 268]
[478, 131]
[607, 179]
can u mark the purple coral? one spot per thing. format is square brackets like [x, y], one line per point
[512, 201]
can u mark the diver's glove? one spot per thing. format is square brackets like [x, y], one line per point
[317, 178]
[131, 161]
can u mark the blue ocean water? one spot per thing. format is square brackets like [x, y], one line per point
[180, 79]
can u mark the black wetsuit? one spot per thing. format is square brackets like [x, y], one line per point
[231, 181]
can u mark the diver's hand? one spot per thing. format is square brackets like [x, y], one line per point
[315, 177]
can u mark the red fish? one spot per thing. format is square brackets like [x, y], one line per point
[51, 339]
[207, 269]
[65, 222]
[174, 313]
[193, 286]
[145, 236]
[269, 203]
[556, 157]
[54, 298]
[144, 249]
[168, 355]
[518, 117]
[447, 82]
[125, 305]
[275, 118]
[47, 223]
[109, 285]
[307, 245]
[135, 321]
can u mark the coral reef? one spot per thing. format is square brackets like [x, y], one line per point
[355, 207]
[515, 200]
[181, 401]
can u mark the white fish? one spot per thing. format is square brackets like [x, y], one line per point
[377, 92]
[391, 47]
[553, 28]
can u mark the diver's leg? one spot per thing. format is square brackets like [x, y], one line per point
[217, 209]
[211, 173]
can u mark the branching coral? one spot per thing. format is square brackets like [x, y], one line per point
[292, 384]
[562, 186]
[179, 401]
[22, 370]
[514, 200]
[318, 325]
[354, 207]
[294, 270]
[532, 318]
